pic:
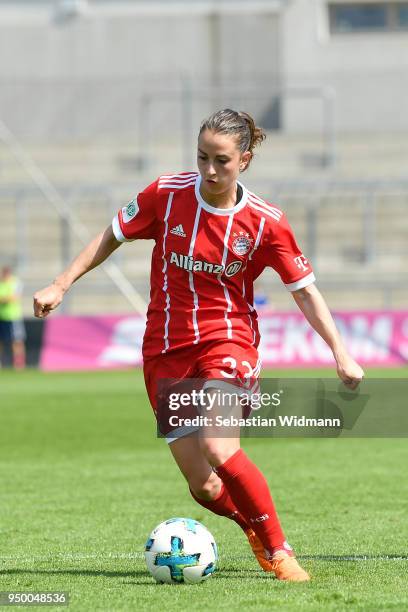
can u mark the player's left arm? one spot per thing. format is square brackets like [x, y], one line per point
[312, 304]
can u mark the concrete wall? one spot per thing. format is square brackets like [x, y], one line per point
[86, 76]
[367, 71]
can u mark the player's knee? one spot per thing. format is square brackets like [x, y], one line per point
[216, 451]
[206, 489]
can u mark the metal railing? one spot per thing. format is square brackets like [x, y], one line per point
[69, 220]
[355, 233]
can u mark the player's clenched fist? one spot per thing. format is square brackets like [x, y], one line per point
[349, 372]
[46, 300]
[91, 256]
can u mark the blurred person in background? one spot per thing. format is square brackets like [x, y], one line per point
[12, 331]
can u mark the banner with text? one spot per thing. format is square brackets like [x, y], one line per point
[375, 338]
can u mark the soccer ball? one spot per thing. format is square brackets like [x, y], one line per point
[181, 550]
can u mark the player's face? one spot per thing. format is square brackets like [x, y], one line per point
[219, 161]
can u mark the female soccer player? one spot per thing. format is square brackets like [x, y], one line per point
[213, 237]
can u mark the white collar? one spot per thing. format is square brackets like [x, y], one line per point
[220, 211]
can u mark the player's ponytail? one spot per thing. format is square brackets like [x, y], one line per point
[257, 135]
[239, 124]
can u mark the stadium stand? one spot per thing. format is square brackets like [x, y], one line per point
[354, 231]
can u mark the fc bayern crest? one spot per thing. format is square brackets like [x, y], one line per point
[242, 243]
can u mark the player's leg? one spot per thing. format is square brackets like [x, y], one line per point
[203, 482]
[244, 481]
[5, 339]
[249, 491]
[189, 456]
[19, 355]
[205, 486]
[209, 491]
[233, 372]
[18, 345]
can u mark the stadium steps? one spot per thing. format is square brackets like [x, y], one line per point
[112, 173]
[358, 157]
[342, 260]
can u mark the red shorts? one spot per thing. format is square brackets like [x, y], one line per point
[230, 366]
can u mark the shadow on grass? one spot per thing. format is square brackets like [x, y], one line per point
[136, 577]
[142, 576]
[74, 572]
[380, 557]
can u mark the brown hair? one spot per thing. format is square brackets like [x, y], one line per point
[239, 124]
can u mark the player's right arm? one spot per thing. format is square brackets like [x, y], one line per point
[137, 220]
[89, 258]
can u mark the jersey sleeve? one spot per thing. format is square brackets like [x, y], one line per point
[281, 252]
[138, 220]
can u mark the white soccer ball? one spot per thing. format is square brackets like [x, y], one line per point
[181, 550]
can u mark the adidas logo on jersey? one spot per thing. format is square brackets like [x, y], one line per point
[178, 231]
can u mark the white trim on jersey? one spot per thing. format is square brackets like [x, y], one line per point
[182, 176]
[250, 308]
[226, 292]
[252, 327]
[191, 279]
[220, 211]
[258, 237]
[258, 200]
[258, 367]
[177, 181]
[255, 389]
[303, 282]
[256, 244]
[268, 212]
[164, 270]
[118, 232]
[176, 185]
[180, 432]
[223, 385]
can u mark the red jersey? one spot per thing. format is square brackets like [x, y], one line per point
[205, 261]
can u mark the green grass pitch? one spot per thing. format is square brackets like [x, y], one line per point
[83, 480]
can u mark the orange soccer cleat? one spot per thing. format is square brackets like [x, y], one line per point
[282, 565]
[287, 568]
[258, 550]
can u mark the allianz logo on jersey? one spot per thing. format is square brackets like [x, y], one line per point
[198, 265]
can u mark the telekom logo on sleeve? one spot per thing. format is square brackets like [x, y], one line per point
[301, 263]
